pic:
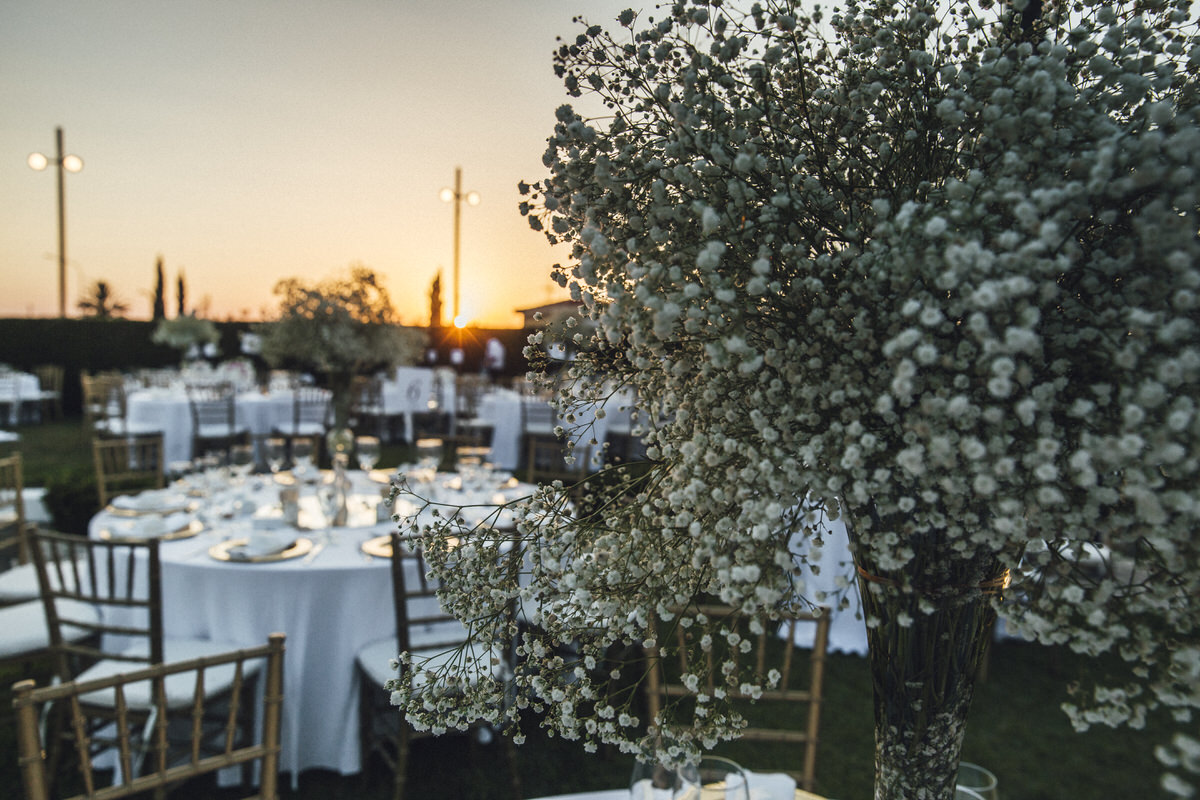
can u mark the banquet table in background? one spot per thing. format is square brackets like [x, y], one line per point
[408, 391]
[167, 410]
[329, 605]
[20, 394]
[502, 410]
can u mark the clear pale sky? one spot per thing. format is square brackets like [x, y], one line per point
[247, 141]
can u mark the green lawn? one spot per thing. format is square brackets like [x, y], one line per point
[1016, 728]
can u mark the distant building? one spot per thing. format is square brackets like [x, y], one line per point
[550, 313]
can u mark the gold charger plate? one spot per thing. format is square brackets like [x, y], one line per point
[164, 511]
[228, 551]
[380, 546]
[381, 476]
[186, 532]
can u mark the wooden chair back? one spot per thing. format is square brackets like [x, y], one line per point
[103, 401]
[132, 463]
[772, 649]
[207, 750]
[424, 629]
[50, 381]
[119, 577]
[14, 540]
[312, 410]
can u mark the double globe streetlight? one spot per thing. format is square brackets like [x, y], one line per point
[457, 196]
[68, 163]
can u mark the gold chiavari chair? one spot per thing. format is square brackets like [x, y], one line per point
[433, 637]
[176, 692]
[132, 463]
[771, 650]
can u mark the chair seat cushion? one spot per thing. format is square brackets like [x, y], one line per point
[301, 429]
[181, 688]
[219, 431]
[23, 626]
[21, 583]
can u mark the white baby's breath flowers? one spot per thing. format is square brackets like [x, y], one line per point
[925, 267]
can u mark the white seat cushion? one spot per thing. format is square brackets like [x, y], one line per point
[21, 583]
[23, 626]
[219, 431]
[180, 688]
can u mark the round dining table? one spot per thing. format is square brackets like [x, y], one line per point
[317, 584]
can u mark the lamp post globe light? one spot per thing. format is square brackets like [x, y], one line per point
[457, 196]
[67, 163]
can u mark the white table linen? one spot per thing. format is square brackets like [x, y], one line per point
[16, 390]
[847, 630]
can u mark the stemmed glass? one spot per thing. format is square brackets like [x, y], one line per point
[329, 501]
[302, 458]
[366, 450]
[429, 453]
[276, 454]
[241, 457]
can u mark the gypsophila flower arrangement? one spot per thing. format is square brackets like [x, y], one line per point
[931, 268]
[186, 332]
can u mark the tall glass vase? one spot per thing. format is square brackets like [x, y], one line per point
[927, 642]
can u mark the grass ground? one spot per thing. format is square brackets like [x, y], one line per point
[1016, 727]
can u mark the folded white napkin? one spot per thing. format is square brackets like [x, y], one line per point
[266, 542]
[771, 785]
[149, 501]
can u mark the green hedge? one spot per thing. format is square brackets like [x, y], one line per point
[91, 345]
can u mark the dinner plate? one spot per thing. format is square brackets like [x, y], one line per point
[233, 550]
[186, 532]
[381, 476]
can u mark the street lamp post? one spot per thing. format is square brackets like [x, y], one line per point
[456, 196]
[68, 163]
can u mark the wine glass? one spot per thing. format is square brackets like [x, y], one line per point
[276, 454]
[429, 453]
[302, 457]
[366, 450]
[241, 457]
[328, 498]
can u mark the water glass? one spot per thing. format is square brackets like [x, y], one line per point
[366, 450]
[975, 778]
[276, 454]
[714, 778]
[718, 778]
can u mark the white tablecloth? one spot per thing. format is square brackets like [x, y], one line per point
[16, 390]
[847, 631]
[167, 410]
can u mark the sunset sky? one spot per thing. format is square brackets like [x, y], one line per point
[247, 141]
